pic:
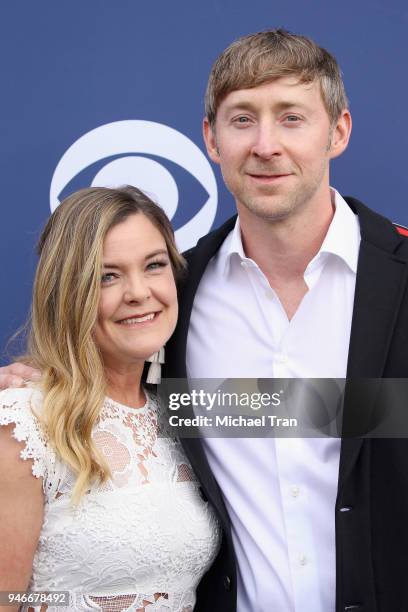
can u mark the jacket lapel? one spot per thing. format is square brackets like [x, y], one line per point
[380, 285]
[197, 261]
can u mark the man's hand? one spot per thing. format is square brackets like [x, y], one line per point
[16, 374]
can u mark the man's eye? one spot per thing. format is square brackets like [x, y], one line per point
[292, 118]
[241, 120]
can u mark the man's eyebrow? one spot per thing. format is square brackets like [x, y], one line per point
[281, 105]
[286, 104]
[115, 266]
[244, 106]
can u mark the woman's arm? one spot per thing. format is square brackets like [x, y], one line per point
[21, 515]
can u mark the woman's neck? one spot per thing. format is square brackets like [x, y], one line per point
[124, 385]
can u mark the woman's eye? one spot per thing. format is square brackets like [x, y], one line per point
[155, 265]
[108, 277]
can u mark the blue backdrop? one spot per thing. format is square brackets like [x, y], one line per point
[74, 71]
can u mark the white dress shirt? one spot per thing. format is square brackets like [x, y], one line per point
[280, 493]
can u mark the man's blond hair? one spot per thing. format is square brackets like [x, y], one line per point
[258, 58]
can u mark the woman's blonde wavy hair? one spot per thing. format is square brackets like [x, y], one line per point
[63, 316]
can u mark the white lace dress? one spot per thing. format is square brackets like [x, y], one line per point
[142, 541]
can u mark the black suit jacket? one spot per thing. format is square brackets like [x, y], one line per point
[372, 536]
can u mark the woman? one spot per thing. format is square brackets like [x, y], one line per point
[95, 502]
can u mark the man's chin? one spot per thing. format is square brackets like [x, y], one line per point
[268, 209]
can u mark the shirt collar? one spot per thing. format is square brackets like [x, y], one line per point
[231, 249]
[342, 238]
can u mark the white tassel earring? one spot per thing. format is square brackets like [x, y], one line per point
[154, 373]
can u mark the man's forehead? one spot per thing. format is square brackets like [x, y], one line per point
[290, 87]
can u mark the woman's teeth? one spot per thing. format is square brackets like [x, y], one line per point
[134, 320]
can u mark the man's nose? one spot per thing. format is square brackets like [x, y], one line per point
[267, 143]
[137, 289]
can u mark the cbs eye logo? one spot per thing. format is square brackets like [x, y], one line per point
[136, 153]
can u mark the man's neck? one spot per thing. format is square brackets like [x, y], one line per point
[282, 249]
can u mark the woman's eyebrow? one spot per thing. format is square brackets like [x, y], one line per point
[157, 252]
[115, 266]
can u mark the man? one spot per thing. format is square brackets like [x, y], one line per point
[301, 284]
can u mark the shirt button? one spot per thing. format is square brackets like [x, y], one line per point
[302, 559]
[294, 491]
[281, 358]
[245, 264]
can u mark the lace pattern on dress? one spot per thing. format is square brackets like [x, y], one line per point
[139, 542]
[158, 602]
[27, 428]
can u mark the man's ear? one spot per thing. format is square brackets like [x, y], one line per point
[340, 134]
[210, 141]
